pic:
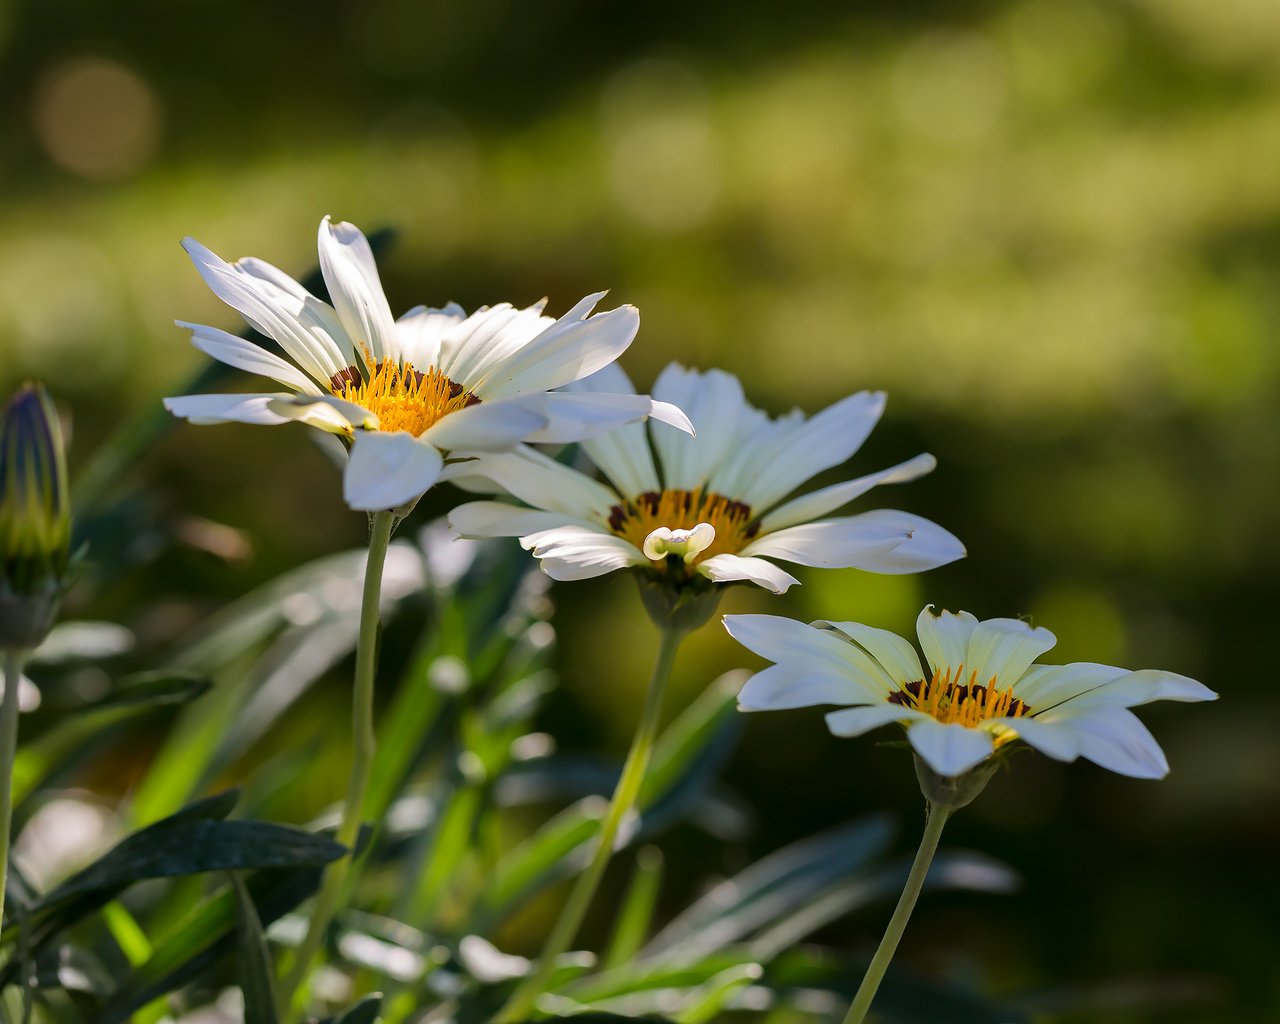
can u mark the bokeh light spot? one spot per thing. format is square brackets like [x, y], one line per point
[97, 118]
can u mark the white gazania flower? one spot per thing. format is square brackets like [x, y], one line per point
[980, 693]
[711, 506]
[408, 393]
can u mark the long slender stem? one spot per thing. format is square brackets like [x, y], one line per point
[902, 912]
[8, 746]
[363, 743]
[521, 1003]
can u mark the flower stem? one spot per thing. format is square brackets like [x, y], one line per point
[363, 745]
[520, 1005]
[937, 817]
[8, 746]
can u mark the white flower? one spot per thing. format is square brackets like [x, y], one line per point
[981, 691]
[711, 506]
[408, 393]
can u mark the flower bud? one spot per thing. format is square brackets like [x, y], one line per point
[35, 518]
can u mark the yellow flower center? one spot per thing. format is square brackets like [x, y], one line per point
[401, 397]
[949, 701]
[683, 510]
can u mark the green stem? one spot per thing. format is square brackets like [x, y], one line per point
[363, 744]
[8, 746]
[898, 923]
[521, 1003]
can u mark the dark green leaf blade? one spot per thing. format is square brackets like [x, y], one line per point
[254, 959]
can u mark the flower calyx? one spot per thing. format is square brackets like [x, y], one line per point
[35, 518]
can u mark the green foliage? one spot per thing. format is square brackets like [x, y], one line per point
[475, 818]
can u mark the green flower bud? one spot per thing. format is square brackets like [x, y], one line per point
[35, 518]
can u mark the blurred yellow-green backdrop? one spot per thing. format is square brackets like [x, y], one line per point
[1050, 229]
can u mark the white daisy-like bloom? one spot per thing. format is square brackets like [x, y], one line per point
[408, 394]
[980, 693]
[709, 507]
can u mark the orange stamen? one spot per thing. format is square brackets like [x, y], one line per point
[401, 397]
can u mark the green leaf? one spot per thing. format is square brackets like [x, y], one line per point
[709, 998]
[364, 1012]
[950, 870]
[173, 848]
[79, 729]
[632, 925]
[654, 975]
[204, 936]
[770, 888]
[186, 843]
[72, 969]
[152, 689]
[904, 997]
[254, 957]
[253, 686]
[539, 859]
[697, 726]
[606, 1018]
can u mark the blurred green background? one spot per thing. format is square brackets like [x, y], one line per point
[1050, 229]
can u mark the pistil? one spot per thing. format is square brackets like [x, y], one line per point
[683, 514]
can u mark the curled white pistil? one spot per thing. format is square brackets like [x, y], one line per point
[688, 544]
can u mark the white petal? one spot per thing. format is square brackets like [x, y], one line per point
[828, 499]
[542, 482]
[1144, 686]
[245, 355]
[715, 405]
[487, 427]
[317, 320]
[275, 305]
[895, 654]
[796, 455]
[856, 721]
[575, 346]
[206, 409]
[351, 276]
[1114, 739]
[1047, 686]
[804, 648]
[1005, 649]
[944, 638]
[727, 568]
[335, 415]
[884, 541]
[783, 687]
[388, 470]
[578, 553]
[623, 455]
[487, 337]
[574, 417]
[498, 519]
[1057, 741]
[949, 749]
[421, 331]
[671, 415]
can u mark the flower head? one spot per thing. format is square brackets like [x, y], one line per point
[407, 394]
[692, 511]
[35, 517]
[981, 691]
